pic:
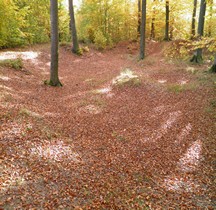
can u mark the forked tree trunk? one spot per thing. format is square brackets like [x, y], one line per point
[167, 38]
[139, 18]
[197, 57]
[143, 29]
[75, 48]
[54, 79]
[193, 23]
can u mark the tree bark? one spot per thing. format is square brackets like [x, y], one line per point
[143, 29]
[139, 18]
[210, 18]
[75, 48]
[54, 80]
[167, 22]
[197, 58]
[213, 67]
[193, 24]
[152, 34]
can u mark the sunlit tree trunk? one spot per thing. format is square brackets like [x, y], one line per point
[75, 48]
[197, 58]
[54, 80]
[193, 24]
[143, 29]
[152, 34]
[210, 18]
[139, 18]
[167, 22]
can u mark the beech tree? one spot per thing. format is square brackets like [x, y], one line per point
[75, 48]
[139, 18]
[167, 21]
[197, 58]
[152, 33]
[193, 24]
[54, 79]
[143, 30]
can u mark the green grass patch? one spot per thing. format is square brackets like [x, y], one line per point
[28, 113]
[177, 88]
[12, 63]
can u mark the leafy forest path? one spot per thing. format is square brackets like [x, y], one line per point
[93, 144]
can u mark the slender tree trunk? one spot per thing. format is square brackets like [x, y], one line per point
[152, 34]
[139, 18]
[193, 24]
[167, 21]
[54, 80]
[197, 58]
[143, 29]
[210, 18]
[75, 48]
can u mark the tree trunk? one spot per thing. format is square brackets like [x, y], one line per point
[213, 67]
[193, 24]
[139, 18]
[75, 48]
[167, 22]
[143, 29]
[210, 18]
[54, 80]
[197, 58]
[152, 34]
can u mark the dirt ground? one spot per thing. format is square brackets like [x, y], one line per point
[93, 144]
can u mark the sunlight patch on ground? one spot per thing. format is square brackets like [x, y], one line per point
[185, 131]
[11, 177]
[6, 88]
[191, 69]
[4, 78]
[13, 130]
[126, 76]
[56, 152]
[24, 55]
[103, 90]
[48, 64]
[92, 109]
[183, 82]
[191, 159]
[162, 81]
[164, 127]
[180, 184]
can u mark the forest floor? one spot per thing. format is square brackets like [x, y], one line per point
[100, 143]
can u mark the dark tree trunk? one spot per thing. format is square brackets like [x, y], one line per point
[197, 58]
[213, 67]
[143, 29]
[152, 34]
[193, 24]
[139, 18]
[54, 80]
[167, 38]
[75, 48]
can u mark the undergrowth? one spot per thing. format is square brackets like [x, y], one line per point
[12, 63]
